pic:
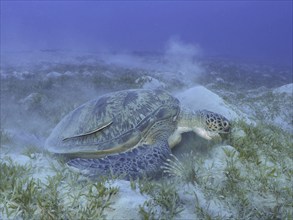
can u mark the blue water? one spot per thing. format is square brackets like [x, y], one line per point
[259, 31]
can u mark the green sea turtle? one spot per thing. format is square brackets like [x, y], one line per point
[128, 132]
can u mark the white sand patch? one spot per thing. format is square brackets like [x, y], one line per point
[53, 75]
[40, 164]
[281, 121]
[217, 163]
[194, 198]
[43, 167]
[199, 97]
[18, 159]
[127, 202]
[69, 73]
[288, 89]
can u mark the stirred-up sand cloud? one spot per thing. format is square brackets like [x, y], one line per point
[176, 55]
[181, 56]
[177, 62]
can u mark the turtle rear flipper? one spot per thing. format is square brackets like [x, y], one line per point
[143, 160]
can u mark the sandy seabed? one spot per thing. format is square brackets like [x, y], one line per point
[245, 175]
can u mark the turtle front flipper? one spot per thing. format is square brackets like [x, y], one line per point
[143, 160]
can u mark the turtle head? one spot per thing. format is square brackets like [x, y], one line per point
[211, 124]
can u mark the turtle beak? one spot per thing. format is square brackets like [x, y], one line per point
[205, 134]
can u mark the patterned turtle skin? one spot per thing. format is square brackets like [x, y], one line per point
[128, 133]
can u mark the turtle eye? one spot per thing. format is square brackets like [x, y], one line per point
[225, 124]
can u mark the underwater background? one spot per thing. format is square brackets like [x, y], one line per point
[259, 31]
[230, 57]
